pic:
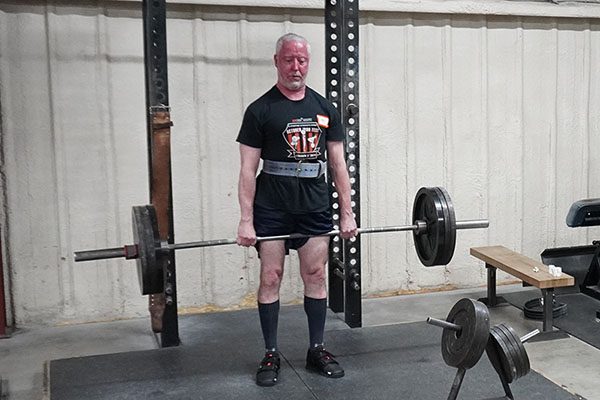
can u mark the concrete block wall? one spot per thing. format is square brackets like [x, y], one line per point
[498, 107]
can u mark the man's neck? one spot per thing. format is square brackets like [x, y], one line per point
[292, 94]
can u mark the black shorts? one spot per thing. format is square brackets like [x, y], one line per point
[268, 222]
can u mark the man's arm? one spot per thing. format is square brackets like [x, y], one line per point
[337, 164]
[249, 159]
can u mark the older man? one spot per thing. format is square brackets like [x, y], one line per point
[296, 132]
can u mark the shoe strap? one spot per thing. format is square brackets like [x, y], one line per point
[270, 361]
[325, 357]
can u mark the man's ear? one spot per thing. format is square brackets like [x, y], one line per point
[275, 60]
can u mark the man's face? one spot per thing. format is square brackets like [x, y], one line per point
[292, 65]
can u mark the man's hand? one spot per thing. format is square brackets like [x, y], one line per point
[246, 235]
[348, 227]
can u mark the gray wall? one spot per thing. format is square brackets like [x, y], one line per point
[501, 110]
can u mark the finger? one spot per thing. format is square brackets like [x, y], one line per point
[244, 241]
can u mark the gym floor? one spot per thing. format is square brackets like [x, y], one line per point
[569, 363]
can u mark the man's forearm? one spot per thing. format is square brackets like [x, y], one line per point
[246, 191]
[342, 186]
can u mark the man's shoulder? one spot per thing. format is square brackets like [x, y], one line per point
[320, 99]
[316, 94]
[266, 98]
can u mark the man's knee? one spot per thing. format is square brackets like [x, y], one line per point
[314, 273]
[271, 277]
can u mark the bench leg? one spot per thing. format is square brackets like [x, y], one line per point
[491, 285]
[492, 300]
[547, 314]
[548, 332]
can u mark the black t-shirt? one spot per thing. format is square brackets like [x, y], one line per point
[292, 131]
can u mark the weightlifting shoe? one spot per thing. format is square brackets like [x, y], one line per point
[268, 370]
[320, 360]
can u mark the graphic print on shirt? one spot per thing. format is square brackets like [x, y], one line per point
[302, 136]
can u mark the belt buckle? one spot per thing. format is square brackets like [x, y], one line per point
[298, 169]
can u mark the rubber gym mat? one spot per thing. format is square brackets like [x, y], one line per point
[399, 361]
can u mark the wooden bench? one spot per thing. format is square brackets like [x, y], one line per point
[528, 270]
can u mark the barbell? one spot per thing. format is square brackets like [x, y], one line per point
[434, 228]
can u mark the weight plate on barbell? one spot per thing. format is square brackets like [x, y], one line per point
[145, 235]
[505, 357]
[463, 349]
[519, 353]
[513, 352]
[427, 207]
[436, 245]
[449, 242]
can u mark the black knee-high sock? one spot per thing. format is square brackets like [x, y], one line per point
[269, 315]
[316, 311]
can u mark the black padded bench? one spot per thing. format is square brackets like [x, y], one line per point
[583, 262]
[584, 213]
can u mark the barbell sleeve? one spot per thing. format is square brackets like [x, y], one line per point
[528, 336]
[100, 254]
[443, 324]
[473, 224]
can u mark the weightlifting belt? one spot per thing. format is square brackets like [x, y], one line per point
[297, 169]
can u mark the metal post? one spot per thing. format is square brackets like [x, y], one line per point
[341, 44]
[350, 118]
[548, 308]
[333, 43]
[548, 332]
[159, 157]
[491, 285]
